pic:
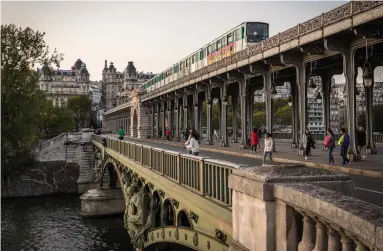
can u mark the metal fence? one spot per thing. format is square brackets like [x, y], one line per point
[207, 177]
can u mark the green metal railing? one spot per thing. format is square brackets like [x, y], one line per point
[207, 177]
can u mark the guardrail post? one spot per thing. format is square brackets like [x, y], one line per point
[162, 162]
[201, 177]
[178, 168]
[150, 158]
[142, 155]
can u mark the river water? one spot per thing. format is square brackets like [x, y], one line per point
[55, 224]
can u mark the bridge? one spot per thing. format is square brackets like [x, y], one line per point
[208, 204]
[331, 44]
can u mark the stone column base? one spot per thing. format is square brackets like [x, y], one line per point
[225, 144]
[234, 141]
[354, 157]
[294, 145]
[372, 151]
[209, 143]
[244, 147]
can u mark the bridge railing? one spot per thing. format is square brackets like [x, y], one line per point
[205, 176]
[378, 138]
[320, 217]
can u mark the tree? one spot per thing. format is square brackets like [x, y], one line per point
[284, 115]
[21, 99]
[259, 119]
[81, 106]
[56, 120]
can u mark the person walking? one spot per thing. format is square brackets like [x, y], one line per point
[254, 140]
[121, 133]
[216, 135]
[361, 136]
[344, 142]
[307, 141]
[329, 142]
[167, 134]
[193, 145]
[268, 150]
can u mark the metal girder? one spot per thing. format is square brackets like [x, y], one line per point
[273, 61]
[215, 82]
[259, 68]
[372, 31]
[235, 75]
[312, 49]
[179, 93]
[291, 58]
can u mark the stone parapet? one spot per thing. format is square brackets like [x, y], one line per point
[270, 202]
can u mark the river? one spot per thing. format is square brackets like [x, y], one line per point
[55, 223]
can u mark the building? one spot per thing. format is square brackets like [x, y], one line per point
[60, 85]
[117, 86]
[112, 81]
[132, 80]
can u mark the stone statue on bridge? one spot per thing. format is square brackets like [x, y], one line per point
[98, 163]
[138, 211]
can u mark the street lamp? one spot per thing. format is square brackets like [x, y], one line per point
[367, 75]
[290, 101]
[367, 70]
[319, 98]
[311, 81]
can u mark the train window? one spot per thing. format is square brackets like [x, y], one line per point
[242, 32]
[209, 49]
[187, 62]
[230, 38]
[201, 54]
[223, 41]
[218, 44]
[193, 59]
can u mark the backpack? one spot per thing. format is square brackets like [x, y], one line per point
[346, 141]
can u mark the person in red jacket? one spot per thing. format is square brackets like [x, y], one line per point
[254, 140]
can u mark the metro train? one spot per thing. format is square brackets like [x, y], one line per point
[235, 40]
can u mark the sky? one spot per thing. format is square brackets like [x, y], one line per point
[154, 35]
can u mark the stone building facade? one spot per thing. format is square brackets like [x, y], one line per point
[60, 85]
[117, 86]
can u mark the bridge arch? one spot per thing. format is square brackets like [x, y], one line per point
[183, 219]
[168, 214]
[109, 174]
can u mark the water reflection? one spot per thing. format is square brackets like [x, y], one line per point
[55, 223]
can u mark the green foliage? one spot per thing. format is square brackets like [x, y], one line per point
[21, 100]
[283, 115]
[259, 119]
[56, 120]
[81, 106]
[260, 106]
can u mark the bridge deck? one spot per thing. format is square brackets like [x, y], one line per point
[369, 188]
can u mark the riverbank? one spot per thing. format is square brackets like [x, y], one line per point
[42, 178]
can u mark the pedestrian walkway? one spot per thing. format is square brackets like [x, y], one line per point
[368, 186]
[372, 166]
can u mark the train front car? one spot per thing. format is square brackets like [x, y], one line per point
[256, 32]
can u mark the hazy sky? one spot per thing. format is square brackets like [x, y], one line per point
[154, 35]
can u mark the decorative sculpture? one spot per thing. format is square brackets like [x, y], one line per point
[98, 163]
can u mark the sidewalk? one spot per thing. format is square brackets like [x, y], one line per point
[372, 166]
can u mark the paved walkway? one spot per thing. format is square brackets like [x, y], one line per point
[369, 188]
[371, 166]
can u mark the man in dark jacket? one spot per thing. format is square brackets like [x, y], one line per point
[361, 137]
